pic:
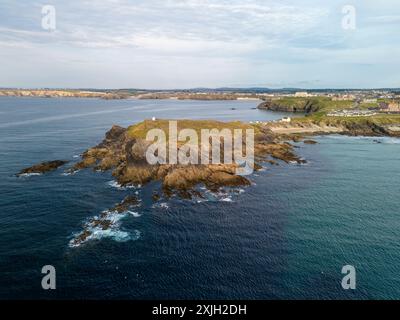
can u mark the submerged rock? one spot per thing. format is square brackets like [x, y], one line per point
[310, 142]
[128, 202]
[108, 220]
[43, 167]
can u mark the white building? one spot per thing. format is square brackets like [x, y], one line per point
[302, 94]
[286, 119]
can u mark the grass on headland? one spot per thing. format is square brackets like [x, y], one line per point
[327, 105]
[141, 129]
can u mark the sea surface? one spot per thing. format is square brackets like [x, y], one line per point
[287, 236]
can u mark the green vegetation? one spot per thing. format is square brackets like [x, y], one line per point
[325, 105]
[140, 130]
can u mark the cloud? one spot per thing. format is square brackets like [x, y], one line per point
[144, 24]
[177, 43]
[390, 19]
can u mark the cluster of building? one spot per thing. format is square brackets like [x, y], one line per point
[352, 113]
[391, 107]
[383, 107]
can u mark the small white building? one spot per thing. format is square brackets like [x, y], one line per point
[286, 119]
[302, 94]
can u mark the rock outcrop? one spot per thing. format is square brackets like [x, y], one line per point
[299, 105]
[107, 220]
[42, 167]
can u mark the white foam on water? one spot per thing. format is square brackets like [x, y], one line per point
[76, 156]
[388, 140]
[117, 235]
[227, 199]
[384, 140]
[113, 230]
[162, 205]
[115, 184]
[115, 216]
[70, 173]
[134, 214]
[114, 234]
[27, 175]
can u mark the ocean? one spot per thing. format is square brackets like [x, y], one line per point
[287, 236]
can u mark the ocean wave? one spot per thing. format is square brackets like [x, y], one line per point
[387, 140]
[69, 172]
[384, 140]
[107, 225]
[27, 175]
[114, 234]
[162, 205]
[225, 195]
[115, 184]
[227, 199]
[134, 214]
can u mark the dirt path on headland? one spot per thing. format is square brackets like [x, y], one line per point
[309, 128]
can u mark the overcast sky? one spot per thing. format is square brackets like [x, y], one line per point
[200, 43]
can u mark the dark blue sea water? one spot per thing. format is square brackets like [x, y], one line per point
[286, 236]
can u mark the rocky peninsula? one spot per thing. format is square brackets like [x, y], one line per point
[123, 151]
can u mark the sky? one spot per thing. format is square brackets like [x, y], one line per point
[168, 44]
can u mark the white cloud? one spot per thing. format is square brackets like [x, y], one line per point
[176, 43]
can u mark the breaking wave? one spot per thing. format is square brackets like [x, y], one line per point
[115, 184]
[27, 175]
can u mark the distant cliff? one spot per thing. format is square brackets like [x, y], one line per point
[290, 105]
[383, 126]
[46, 93]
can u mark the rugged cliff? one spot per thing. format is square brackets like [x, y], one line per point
[290, 105]
[346, 126]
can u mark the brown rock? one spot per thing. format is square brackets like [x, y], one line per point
[310, 142]
[43, 167]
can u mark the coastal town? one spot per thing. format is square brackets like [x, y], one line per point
[364, 96]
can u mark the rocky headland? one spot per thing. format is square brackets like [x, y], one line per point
[123, 151]
[290, 105]
[350, 127]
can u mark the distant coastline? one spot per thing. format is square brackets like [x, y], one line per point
[351, 112]
[255, 94]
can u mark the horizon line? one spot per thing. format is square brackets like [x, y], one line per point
[200, 88]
